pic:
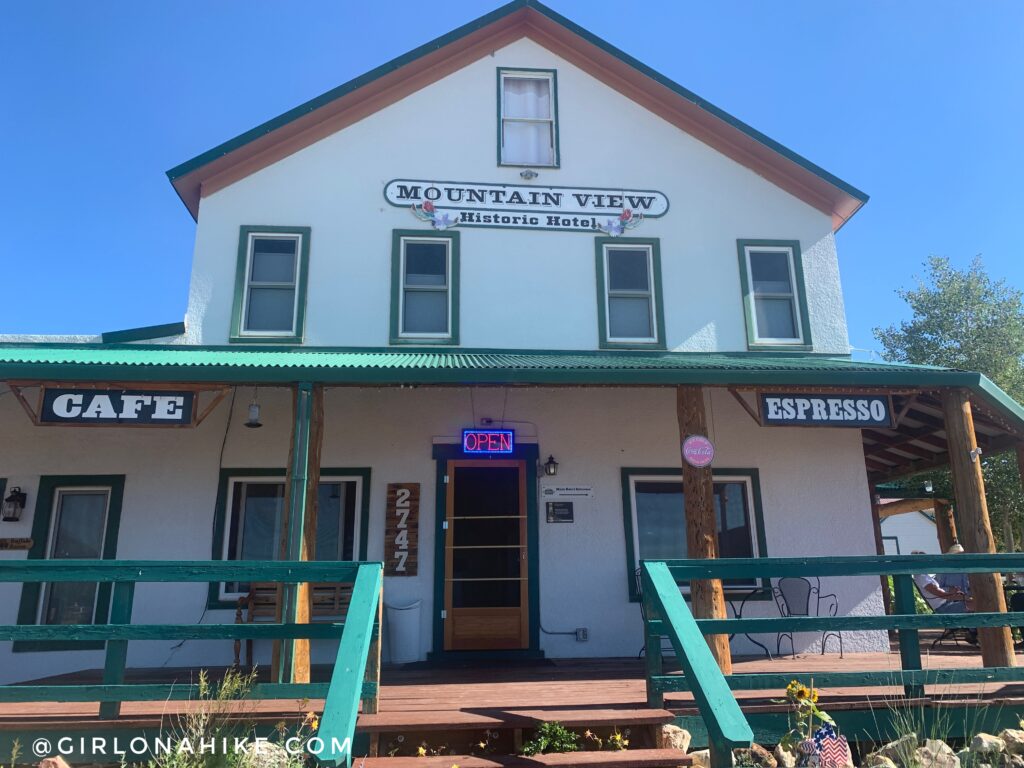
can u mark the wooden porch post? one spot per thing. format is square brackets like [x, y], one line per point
[976, 529]
[876, 522]
[945, 525]
[706, 596]
[307, 550]
[293, 526]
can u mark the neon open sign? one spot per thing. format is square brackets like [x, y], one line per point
[487, 441]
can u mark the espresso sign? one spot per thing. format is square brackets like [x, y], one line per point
[839, 410]
[401, 529]
[124, 407]
[446, 204]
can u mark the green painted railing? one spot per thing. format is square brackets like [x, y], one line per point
[676, 625]
[668, 615]
[356, 675]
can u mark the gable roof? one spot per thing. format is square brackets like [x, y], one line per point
[342, 106]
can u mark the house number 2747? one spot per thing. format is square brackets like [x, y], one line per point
[402, 510]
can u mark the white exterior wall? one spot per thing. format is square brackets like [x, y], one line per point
[914, 532]
[545, 280]
[813, 484]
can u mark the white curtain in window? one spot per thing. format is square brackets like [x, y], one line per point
[527, 99]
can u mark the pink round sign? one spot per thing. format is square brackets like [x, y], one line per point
[698, 451]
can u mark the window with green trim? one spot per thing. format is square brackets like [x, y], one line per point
[270, 290]
[773, 293]
[629, 293]
[527, 117]
[250, 514]
[424, 291]
[76, 517]
[655, 517]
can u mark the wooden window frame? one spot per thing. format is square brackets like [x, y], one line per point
[802, 342]
[537, 74]
[653, 245]
[246, 238]
[398, 240]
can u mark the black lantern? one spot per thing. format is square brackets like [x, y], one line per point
[551, 467]
[14, 505]
[253, 421]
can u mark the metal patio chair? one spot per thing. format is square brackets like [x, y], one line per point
[796, 596]
[956, 634]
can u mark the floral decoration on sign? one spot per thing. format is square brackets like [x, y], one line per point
[626, 220]
[426, 211]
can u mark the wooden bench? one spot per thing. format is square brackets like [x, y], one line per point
[329, 604]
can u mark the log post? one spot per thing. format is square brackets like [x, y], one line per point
[876, 523]
[707, 597]
[975, 527]
[307, 551]
[945, 525]
[293, 523]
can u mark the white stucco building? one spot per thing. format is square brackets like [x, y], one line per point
[515, 229]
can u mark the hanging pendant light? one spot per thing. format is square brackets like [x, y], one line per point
[254, 413]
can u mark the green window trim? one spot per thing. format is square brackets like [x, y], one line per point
[220, 515]
[601, 244]
[749, 475]
[395, 335]
[42, 519]
[238, 335]
[556, 149]
[805, 343]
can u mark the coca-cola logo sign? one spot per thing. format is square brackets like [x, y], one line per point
[698, 451]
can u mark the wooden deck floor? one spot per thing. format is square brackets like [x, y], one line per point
[479, 695]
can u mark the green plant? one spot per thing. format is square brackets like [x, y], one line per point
[551, 737]
[485, 746]
[804, 702]
[618, 741]
[425, 750]
[15, 752]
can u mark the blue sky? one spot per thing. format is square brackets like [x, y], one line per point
[920, 104]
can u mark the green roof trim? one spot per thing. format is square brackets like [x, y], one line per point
[145, 333]
[383, 366]
[516, 5]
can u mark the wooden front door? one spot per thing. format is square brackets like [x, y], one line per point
[485, 590]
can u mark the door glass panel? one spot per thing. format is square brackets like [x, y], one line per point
[79, 529]
[486, 594]
[487, 491]
[482, 533]
[486, 563]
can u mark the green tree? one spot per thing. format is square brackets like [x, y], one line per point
[965, 319]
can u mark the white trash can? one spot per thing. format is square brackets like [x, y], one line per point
[403, 632]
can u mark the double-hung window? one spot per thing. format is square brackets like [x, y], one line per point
[528, 117]
[424, 295]
[629, 293]
[657, 519]
[270, 294]
[253, 530]
[772, 278]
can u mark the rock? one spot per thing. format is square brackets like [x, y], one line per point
[1013, 740]
[986, 744]
[756, 755]
[674, 737]
[937, 756]
[1012, 761]
[879, 761]
[902, 751]
[783, 757]
[701, 758]
[263, 754]
[53, 762]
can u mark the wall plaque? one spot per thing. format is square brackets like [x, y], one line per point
[401, 529]
[831, 410]
[560, 511]
[120, 407]
[15, 544]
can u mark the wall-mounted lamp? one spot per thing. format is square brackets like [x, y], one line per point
[928, 486]
[975, 454]
[14, 505]
[254, 413]
[528, 174]
[551, 467]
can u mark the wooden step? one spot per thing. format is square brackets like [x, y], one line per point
[628, 758]
[463, 720]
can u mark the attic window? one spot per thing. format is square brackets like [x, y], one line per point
[528, 114]
[270, 290]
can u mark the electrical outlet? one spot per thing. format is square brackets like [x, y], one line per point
[581, 634]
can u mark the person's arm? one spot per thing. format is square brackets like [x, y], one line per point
[947, 594]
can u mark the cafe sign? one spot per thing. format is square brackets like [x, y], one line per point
[831, 410]
[121, 407]
[447, 204]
